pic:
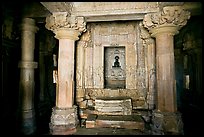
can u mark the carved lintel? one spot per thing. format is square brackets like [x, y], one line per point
[170, 16]
[114, 44]
[62, 21]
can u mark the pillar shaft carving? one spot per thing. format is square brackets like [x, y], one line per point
[148, 41]
[65, 26]
[169, 16]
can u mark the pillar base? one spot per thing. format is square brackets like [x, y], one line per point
[167, 123]
[64, 121]
[28, 122]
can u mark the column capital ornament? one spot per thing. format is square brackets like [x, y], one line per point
[61, 23]
[171, 16]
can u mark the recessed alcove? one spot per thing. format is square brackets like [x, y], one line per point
[114, 66]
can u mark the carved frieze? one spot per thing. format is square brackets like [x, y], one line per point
[102, 8]
[170, 15]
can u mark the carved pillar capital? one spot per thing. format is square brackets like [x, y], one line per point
[65, 26]
[169, 20]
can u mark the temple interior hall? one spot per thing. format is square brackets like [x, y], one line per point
[101, 68]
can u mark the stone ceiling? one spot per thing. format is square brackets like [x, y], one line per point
[100, 11]
[109, 11]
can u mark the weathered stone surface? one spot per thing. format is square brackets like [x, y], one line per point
[61, 22]
[137, 101]
[91, 120]
[113, 10]
[62, 130]
[27, 83]
[83, 104]
[166, 123]
[170, 15]
[125, 121]
[91, 72]
[64, 121]
[163, 26]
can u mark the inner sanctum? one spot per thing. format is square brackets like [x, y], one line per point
[111, 68]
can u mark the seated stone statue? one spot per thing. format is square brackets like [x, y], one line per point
[116, 63]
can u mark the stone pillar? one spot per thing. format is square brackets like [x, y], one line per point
[151, 57]
[67, 28]
[27, 83]
[80, 83]
[163, 26]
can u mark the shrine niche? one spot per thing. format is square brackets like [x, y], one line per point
[114, 67]
[111, 61]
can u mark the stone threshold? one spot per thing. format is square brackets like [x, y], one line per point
[115, 121]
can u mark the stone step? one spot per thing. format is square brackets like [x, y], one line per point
[91, 121]
[111, 121]
[111, 105]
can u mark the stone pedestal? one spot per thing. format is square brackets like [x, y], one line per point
[27, 83]
[64, 121]
[67, 28]
[166, 123]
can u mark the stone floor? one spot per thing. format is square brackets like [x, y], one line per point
[109, 131]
